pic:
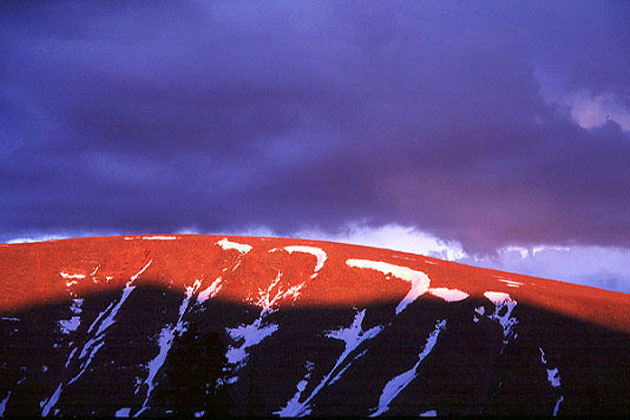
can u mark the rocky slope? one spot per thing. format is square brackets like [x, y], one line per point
[187, 324]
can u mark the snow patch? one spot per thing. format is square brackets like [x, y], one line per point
[449, 295]
[10, 318]
[553, 376]
[69, 325]
[71, 276]
[211, 291]
[227, 245]
[319, 253]
[504, 305]
[479, 311]
[269, 299]
[419, 280]
[400, 382]
[557, 406]
[159, 238]
[71, 279]
[511, 283]
[250, 335]
[3, 404]
[123, 412]
[430, 413]
[75, 307]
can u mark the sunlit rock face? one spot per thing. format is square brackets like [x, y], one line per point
[202, 325]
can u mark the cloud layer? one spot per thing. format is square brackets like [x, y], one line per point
[465, 121]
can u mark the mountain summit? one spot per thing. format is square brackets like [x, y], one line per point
[204, 325]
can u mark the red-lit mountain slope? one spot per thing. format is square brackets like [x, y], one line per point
[186, 324]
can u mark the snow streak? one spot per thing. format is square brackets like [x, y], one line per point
[211, 291]
[511, 283]
[319, 253]
[159, 238]
[400, 382]
[419, 280]
[165, 342]
[268, 299]
[353, 337]
[3, 404]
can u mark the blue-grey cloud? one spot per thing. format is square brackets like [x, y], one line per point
[154, 117]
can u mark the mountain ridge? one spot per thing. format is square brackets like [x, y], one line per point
[308, 327]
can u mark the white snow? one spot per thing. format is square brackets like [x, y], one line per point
[400, 382]
[102, 322]
[75, 307]
[511, 283]
[165, 342]
[211, 291]
[507, 321]
[319, 253]
[159, 238]
[70, 356]
[71, 276]
[557, 407]
[227, 245]
[543, 358]
[10, 318]
[50, 403]
[353, 337]
[142, 270]
[449, 295]
[497, 297]
[430, 413]
[479, 311]
[3, 404]
[250, 334]
[301, 386]
[71, 279]
[84, 365]
[69, 325]
[269, 299]
[553, 376]
[110, 319]
[123, 412]
[419, 280]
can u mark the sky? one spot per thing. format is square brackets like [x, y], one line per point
[491, 133]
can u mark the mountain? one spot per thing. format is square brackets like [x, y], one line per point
[200, 325]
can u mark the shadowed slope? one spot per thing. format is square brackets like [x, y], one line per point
[91, 325]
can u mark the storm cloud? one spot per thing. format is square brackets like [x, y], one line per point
[460, 120]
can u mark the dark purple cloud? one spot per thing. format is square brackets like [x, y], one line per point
[147, 117]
